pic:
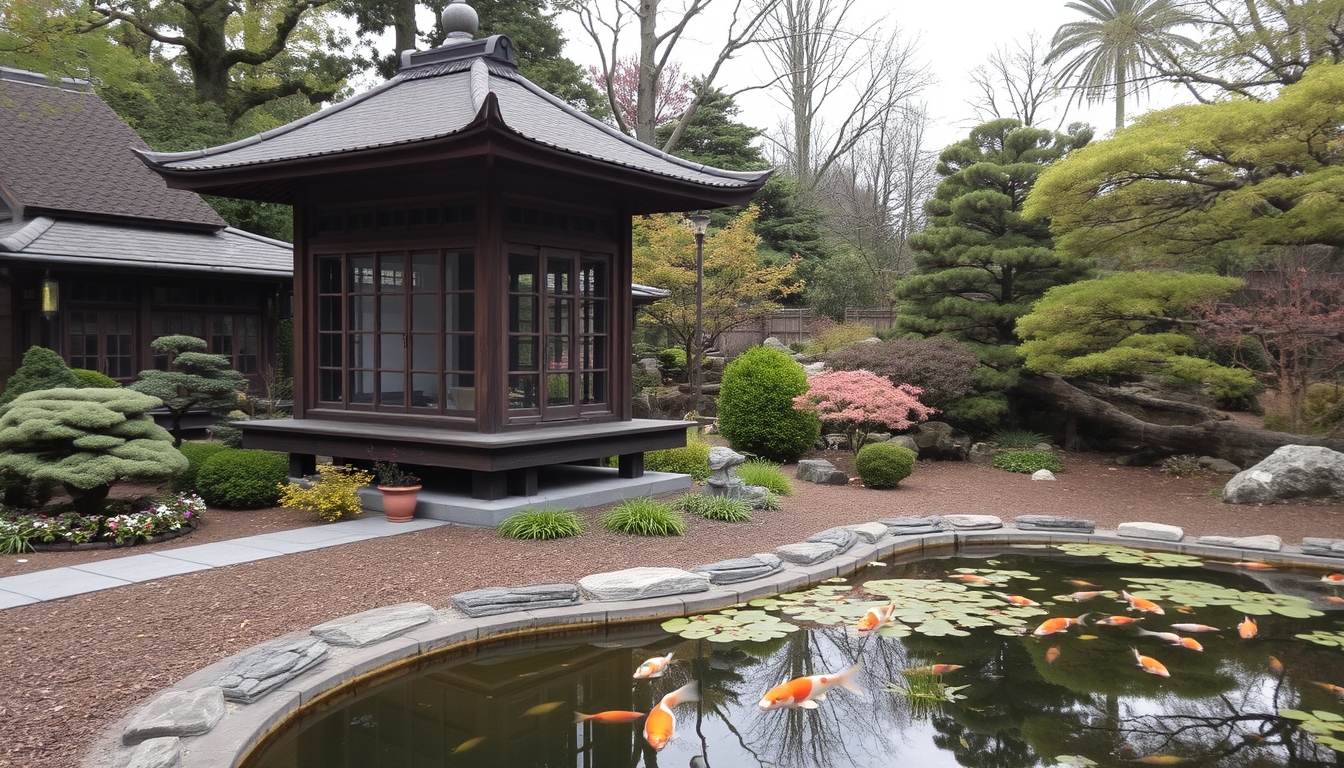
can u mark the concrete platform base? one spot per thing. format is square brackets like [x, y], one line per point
[570, 487]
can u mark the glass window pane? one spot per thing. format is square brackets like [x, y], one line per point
[329, 350]
[461, 353]
[522, 391]
[425, 351]
[361, 273]
[425, 390]
[461, 271]
[361, 313]
[425, 271]
[557, 314]
[361, 352]
[393, 349]
[594, 318]
[392, 388]
[557, 348]
[557, 389]
[425, 312]
[593, 279]
[523, 353]
[329, 275]
[361, 387]
[460, 380]
[523, 314]
[460, 312]
[594, 388]
[522, 273]
[392, 313]
[557, 276]
[329, 386]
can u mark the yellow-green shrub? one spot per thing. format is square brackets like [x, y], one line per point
[333, 497]
[838, 336]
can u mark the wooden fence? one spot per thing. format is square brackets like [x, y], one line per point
[795, 325]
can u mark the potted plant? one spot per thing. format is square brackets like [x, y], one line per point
[401, 491]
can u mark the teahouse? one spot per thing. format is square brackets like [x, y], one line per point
[462, 268]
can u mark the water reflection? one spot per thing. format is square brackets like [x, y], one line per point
[1219, 708]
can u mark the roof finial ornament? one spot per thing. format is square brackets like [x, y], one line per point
[460, 20]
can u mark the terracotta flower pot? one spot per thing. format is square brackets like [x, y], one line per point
[399, 503]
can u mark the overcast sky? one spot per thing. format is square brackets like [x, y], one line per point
[953, 37]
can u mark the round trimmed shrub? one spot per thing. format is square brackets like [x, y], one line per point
[672, 362]
[756, 413]
[1028, 461]
[94, 380]
[243, 479]
[197, 454]
[883, 465]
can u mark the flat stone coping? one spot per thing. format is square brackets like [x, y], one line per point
[349, 669]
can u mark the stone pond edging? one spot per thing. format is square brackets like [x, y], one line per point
[181, 727]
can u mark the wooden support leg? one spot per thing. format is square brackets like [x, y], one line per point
[630, 465]
[523, 482]
[489, 486]
[302, 464]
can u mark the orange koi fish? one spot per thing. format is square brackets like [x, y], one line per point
[1149, 664]
[1335, 599]
[933, 669]
[1254, 566]
[654, 667]
[1338, 690]
[805, 692]
[1060, 624]
[1052, 654]
[1081, 583]
[1275, 666]
[1142, 604]
[661, 724]
[1117, 621]
[970, 578]
[1174, 639]
[1333, 578]
[1247, 628]
[1017, 600]
[1079, 597]
[610, 716]
[1194, 628]
[875, 618]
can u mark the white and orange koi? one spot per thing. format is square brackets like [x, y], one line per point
[1333, 578]
[1079, 597]
[1247, 628]
[1117, 621]
[1174, 639]
[1194, 628]
[1059, 624]
[933, 669]
[875, 618]
[661, 725]
[1142, 604]
[1336, 599]
[1149, 664]
[654, 667]
[805, 692]
[1017, 600]
[971, 578]
[610, 716]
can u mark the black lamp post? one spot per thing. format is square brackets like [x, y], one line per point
[699, 225]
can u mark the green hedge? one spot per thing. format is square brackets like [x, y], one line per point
[756, 413]
[243, 479]
[197, 454]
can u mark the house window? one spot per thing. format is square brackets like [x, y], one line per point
[103, 341]
[559, 332]
[396, 331]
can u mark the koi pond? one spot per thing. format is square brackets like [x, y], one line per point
[1070, 655]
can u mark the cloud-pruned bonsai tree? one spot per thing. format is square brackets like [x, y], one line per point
[41, 369]
[87, 440]
[195, 378]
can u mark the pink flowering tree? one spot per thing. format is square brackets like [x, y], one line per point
[859, 402]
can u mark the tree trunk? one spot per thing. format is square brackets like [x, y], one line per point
[1210, 434]
[88, 501]
[646, 98]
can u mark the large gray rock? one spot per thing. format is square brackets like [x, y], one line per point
[163, 752]
[871, 533]
[1141, 530]
[1312, 545]
[723, 479]
[842, 538]
[940, 440]
[833, 442]
[806, 552]
[259, 671]
[1291, 472]
[1043, 474]
[907, 442]
[973, 522]
[913, 526]
[822, 472]
[1052, 523]
[740, 568]
[641, 583]
[1266, 543]
[722, 459]
[775, 344]
[495, 600]
[176, 713]
[376, 625]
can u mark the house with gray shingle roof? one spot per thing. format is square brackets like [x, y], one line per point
[98, 257]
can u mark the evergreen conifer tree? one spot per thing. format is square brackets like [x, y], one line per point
[194, 379]
[41, 369]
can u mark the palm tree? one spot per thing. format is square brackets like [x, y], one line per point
[1116, 46]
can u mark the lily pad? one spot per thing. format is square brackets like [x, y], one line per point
[726, 627]
[1131, 556]
[1322, 637]
[1200, 594]
[1326, 727]
[939, 608]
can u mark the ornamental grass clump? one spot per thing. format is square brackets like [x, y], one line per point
[766, 474]
[756, 413]
[87, 440]
[1185, 465]
[1017, 438]
[644, 517]
[720, 508]
[539, 524]
[883, 465]
[859, 402]
[1028, 462]
[333, 496]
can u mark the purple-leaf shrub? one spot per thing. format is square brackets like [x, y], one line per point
[859, 402]
[942, 368]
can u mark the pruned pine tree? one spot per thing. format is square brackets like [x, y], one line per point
[194, 379]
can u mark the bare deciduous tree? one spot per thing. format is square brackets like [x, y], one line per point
[1016, 82]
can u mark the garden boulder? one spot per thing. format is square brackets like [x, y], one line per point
[821, 472]
[1291, 472]
[941, 441]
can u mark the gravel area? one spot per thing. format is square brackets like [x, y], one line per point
[72, 667]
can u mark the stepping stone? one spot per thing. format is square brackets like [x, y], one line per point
[869, 532]
[740, 568]
[822, 472]
[163, 752]
[842, 538]
[910, 526]
[376, 625]
[496, 600]
[1052, 523]
[259, 671]
[176, 713]
[1313, 545]
[641, 583]
[1156, 531]
[973, 522]
[1266, 543]
[807, 552]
